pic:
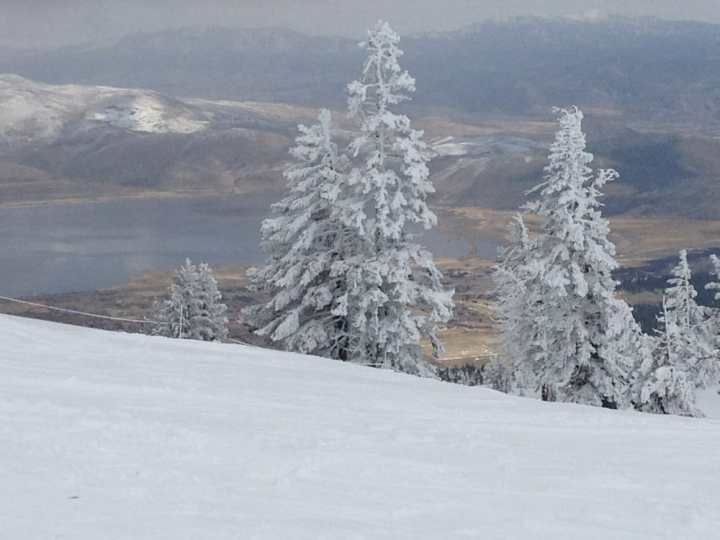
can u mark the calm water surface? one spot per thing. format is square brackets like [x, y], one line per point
[80, 247]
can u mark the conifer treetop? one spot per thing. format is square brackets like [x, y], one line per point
[393, 182]
[383, 81]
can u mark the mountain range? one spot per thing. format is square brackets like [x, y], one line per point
[216, 109]
[644, 67]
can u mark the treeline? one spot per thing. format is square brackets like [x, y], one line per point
[347, 279]
[566, 333]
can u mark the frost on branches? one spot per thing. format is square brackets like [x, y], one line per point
[307, 244]
[713, 322]
[512, 307]
[395, 295]
[583, 341]
[194, 309]
[690, 342]
[346, 278]
[663, 384]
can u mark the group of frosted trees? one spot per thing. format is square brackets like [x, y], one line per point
[685, 348]
[346, 278]
[194, 308]
[566, 334]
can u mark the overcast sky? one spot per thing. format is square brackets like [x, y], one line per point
[46, 23]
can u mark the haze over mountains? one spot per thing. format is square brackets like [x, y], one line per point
[647, 67]
[211, 115]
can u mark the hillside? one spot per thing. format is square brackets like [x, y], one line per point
[75, 142]
[79, 142]
[107, 435]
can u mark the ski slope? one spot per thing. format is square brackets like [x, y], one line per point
[108, 435]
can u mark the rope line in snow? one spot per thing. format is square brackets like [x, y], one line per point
[76, 312]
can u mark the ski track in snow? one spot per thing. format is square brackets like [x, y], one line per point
[109, 435]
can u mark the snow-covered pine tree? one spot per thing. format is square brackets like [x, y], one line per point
[210, 321]
[307, 245]
[691, 344]
[585, 341]
[513, 316]
[663, 387]
[173, 314]
[714, 285]
[713, 321]
[194, 309]
[395, 294]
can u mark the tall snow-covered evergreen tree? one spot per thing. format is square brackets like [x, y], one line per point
[662, 384]
[395, 295]
[690, 342]
[308, 243]
[194, 309]
[584, 339]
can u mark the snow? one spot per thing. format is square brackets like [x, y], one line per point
[31, 110]
[708, 401]
[109, 435]
[447, 147]
[146, 113]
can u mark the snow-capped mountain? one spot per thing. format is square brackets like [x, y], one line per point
[89, 140]
[115, 436]
[31, 111]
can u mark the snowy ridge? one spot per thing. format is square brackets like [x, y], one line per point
[127, 436]
[30, 110]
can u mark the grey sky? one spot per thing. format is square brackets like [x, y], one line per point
[43, 23]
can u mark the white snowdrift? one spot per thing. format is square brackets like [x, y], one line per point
[106, 435]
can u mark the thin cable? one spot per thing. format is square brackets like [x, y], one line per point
[75, 312]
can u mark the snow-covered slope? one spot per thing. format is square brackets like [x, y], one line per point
[111, 436]
[708, 401]
[31, 110]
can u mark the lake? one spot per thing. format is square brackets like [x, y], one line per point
[80, 247]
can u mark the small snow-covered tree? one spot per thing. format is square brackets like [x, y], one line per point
[194, 309]
[663, 385]
[395, 295]
[513, 316]
[714, 285]
[173, 314]
[307, 243]
[689, 342]
[584, 339]
[210, 321]
[712, 332]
